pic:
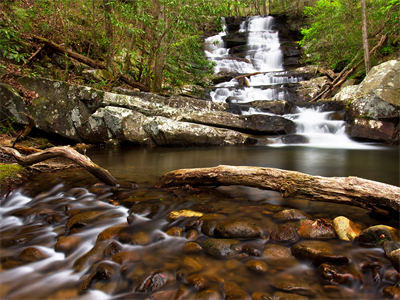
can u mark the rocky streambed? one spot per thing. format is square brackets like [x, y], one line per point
[93, 241]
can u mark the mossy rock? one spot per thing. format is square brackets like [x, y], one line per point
[10, 176]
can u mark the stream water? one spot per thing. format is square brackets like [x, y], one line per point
[64, 236]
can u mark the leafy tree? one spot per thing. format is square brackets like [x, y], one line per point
[334, 35]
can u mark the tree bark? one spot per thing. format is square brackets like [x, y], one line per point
[66, 152]
[365, 36]
[375, 196]
[109, 33]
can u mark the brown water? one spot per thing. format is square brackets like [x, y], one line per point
[54, 244]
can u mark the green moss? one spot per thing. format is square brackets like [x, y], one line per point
[10, 171]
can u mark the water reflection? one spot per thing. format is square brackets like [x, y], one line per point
[146, 165]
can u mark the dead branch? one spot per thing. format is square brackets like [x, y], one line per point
[368, 194]
[66, 152]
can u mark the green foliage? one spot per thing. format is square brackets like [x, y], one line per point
[333, 37]
[6, 126]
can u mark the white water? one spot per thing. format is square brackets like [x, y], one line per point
[265, 56]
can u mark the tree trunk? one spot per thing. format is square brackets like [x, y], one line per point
[375, 196]
[66, 152]
[109, 34]
[365, 36]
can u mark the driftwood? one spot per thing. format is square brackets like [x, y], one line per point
[375, 196]
[65, 152]
[88, 61]
[326, 92]
[246, 75]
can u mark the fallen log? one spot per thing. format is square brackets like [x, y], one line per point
[65, 152]
[375, 196]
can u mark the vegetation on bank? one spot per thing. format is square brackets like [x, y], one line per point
[157, 45]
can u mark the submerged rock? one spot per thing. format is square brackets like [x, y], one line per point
[289, 215]
[220, 248]
[319, 229]
[334, 274]
[377, 235]
[318, 252]
[392, 251]
[293, 284]
[277, 252]
[32, 254]
[233, 291]
[257, 266]
[238, 228]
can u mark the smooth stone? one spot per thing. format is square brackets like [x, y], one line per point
[112, 249]
[392, 251]
[220, 248]
[192, 247]
[277, 252]
[82, 219]
[319, 229]
[208, 294]
[392, 292]
[285, 233]
[257, 266]
[67, 244]
[288, 296]
[318, 252]
[184, 213]
[289, 215]
[135, 238]
[377, 235]
[111, 232]
[126, 256]
[233, 291]
[346, 229]
[152, 282]
[198, 281]
[238, 228]
[192, 234]
[293, 284]
[174, 231]
[163, 295]
[32, 254]
[191, 264]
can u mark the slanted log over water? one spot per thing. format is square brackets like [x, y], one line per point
[65, 152]
[374, 196]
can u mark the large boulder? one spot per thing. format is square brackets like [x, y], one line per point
[373, 106]
[89, 115]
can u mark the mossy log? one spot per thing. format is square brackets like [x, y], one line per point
[375, 196]
[65, 152]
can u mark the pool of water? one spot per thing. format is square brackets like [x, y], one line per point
[64, 236]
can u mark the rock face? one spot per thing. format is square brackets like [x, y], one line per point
[85, 114]
[373, 107]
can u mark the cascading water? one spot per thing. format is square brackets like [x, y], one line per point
[267, 80]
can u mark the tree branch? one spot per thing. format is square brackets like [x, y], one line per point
[66, 152]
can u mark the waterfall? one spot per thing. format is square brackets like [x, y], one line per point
[260, 52]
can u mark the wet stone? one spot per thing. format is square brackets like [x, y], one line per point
[192, 264]
[289, 215]
[392, 292]
[318, 252]
[82, 219]
[126, 256]
[146, 209]
[174, 231]
[192, 247]
[135, 238]
[67, 244]
[285, 233]
[112, 249]
[220, 248]
[277, 252]
[392, 251]
[162, 295]
[237, 229]
[346, 229]
[111, 232]
[339, 274]
[252, 249]
[377, 235]
[288, 296]
[153, 282]
[184, 213]
[198, 281]
[192, 234]
[32, 254]
[293, 284]
[206, 295]
[233, 291]
[257, 266]
[319, 229]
